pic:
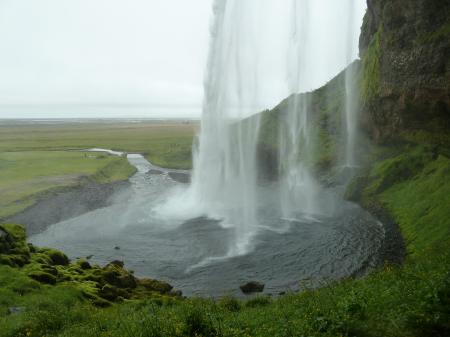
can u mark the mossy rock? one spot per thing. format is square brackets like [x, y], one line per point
[84, 264]
[57, 258]
[101, 285]
[17, 232]
[42, 277]
[111, 293]
[13, 260]
[14, 250]
[155, 285]
[117, 276]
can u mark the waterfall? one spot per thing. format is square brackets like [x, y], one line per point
[306, 67]
[262, 51]
[224, 178]
[351, 90]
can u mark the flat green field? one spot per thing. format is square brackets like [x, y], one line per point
[37, 158]
[166, 144]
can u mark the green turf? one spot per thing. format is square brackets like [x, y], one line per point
[165, 144]
[412, 300]
[24, 176]
[39, 158]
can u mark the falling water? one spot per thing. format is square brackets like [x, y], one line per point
[261, 51]
[351, 90]
[309, 42]
[224, 178]
[298, 188]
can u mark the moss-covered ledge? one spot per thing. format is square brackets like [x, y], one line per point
[101, 285]
[410, 186]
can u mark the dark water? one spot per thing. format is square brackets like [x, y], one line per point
[191, 255]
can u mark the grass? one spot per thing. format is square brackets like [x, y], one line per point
[36, 159]
[166, 144]
[25, 176]
[429, 191]
[409, 300]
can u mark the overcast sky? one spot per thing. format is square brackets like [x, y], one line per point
[114, 53]
[103, 51]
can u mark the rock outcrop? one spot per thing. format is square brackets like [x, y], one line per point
[101, 285]
[405, 51]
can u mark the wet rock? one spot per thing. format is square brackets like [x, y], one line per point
[252, 287]
[155, 172]
[184, 178]
[409, 85]
[117, 248]
[176, 293]
[116, 263]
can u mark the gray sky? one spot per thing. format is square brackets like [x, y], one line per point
[103, 51]
[109, 55]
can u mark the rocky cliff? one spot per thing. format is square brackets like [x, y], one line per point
[405, 51]
[404, 82]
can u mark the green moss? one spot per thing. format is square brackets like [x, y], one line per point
[118, 169]
[259, 301]
[421, 204]
[442, 32]
[370, 83]
[42, 276]
[56, 257]
[413, 184]
[398, 168]
[230, 304]
[155, 285]
[14, 250]
[17, 232]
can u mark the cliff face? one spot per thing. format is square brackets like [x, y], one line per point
[327, 118]
[404, 83]
[405, 51]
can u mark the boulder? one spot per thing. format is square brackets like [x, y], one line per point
[116, 275]
[57, 258]
[252, 287]
[84, 264]
[14, 250]
[155, 285]
[116, 263]
[156, 172]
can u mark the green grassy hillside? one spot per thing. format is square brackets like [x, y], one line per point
[408, 300]
[166, 144]
[26, 176]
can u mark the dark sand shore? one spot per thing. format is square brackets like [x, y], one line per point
[66, 203]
